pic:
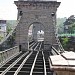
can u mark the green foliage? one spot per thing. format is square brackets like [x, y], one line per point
[1, 38]
[68, 43]
[72, 28]
[10, 25]
[8, 29]
[70, 24]
[65, 41]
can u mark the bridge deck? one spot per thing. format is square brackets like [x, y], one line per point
[32, 62]
[29, 63]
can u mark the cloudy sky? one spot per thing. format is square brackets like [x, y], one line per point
[8, 10]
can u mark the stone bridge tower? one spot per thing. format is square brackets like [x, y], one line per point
[36, 11]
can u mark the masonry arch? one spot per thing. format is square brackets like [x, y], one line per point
[36, 32]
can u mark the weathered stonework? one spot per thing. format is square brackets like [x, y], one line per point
[43, 12]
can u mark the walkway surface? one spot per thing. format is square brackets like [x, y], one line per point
[28, 63]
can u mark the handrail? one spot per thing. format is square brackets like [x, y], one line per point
[55, 50]
[10, 58]
[45, 73]
[8, 53]
[58, 41]
[33, 45]
[40, 46]
[19, 68]
[36, 46]
[8, 49]
[34, 63]
[59, 44]
[13, 64]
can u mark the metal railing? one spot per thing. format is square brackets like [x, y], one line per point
[45, 73]
[61, 49]
[55, 50]
[4, 55]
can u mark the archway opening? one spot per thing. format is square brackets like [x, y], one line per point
[35, 34]
[40, 35]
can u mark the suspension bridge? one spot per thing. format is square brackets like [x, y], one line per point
[28, 54]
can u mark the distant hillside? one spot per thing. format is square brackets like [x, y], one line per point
[60, 22]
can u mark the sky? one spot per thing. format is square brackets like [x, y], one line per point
[8, 10]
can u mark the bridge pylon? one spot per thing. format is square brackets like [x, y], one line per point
[43, 12]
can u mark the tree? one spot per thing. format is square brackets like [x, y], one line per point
[70, 24]
[8, 28]
[60, 25]
[1, 38]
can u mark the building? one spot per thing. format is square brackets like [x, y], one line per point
[2, 28]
